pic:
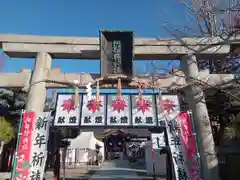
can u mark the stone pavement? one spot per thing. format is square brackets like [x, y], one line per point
[83, 172]
[117, 170]
[140, 168]
[5, 175]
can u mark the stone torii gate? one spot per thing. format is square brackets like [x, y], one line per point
[188, 50]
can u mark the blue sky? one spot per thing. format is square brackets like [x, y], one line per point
[85, 18]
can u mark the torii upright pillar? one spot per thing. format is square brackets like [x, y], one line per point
[37, 88]
[37, 85]
[196, 102]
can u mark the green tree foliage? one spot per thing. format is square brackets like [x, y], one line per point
[11, 104]
[6, 130]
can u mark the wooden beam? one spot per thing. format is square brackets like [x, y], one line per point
[15, 80]
[68, 78]
[191, 41]
[26, 46]
[145, 52]
[22, 79]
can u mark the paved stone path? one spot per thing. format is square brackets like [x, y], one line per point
[81, 173]
[117, 170]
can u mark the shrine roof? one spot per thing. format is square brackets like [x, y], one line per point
[101, 131]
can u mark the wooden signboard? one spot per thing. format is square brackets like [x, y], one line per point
[116, 52]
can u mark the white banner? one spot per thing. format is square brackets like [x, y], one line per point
[170, 110]
[118, 114]
[66, 113]
[144, 113]
[177, 148]
[91, 114]
[39, 146]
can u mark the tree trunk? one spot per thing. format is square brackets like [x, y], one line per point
[196, 102]
[1, 153]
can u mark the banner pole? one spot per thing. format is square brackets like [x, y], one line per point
[153, 164]
[15, 157]
[196, 142]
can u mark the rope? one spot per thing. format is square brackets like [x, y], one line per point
[139, 82]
